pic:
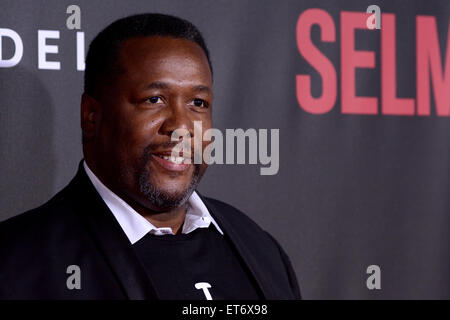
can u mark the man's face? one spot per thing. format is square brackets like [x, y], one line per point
[165, 84]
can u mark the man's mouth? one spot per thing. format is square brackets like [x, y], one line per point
[177, 160]
[171, 163]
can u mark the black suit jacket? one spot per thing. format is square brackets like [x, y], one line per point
[77, 228]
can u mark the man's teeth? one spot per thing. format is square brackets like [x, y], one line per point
[177, 160]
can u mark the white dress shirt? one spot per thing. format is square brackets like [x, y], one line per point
[136, 226]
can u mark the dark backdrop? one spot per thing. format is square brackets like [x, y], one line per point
[352, 190]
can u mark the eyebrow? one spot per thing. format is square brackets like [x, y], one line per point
[202, 88]
[164, 85]
[157, 85]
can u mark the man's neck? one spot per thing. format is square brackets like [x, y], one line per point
[173, 218]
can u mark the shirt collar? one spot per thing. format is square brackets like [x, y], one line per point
[136, 226]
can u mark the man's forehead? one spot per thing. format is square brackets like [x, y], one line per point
[157, 54]
[144, 59]
[159, 48]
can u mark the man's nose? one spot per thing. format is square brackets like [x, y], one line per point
[177, 118]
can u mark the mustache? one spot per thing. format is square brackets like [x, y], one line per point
[158, 146]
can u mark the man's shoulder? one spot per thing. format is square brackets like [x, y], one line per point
[43, 220]
[37, 237]
[262, 245]
[232, 215]
[240, 222]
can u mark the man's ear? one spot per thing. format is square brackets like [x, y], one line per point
[90, 115]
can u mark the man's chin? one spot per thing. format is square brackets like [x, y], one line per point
[169, 195]
[163, 200]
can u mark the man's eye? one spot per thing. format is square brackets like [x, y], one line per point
[154, 100]
[200, 103]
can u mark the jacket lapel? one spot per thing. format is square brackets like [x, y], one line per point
[111, 240]
[243, 249]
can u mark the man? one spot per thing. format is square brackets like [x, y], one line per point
[130, 225]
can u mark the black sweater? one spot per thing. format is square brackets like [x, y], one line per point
[177, 262]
